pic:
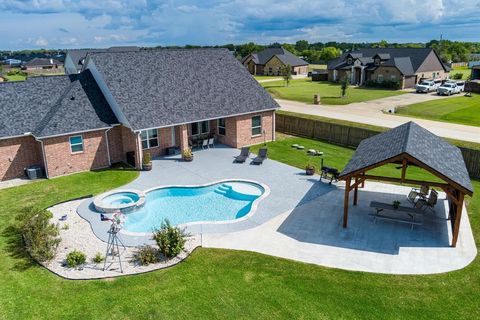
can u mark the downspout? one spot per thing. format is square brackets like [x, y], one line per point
[108, 147]
[139, 150]
[273, 125]
[43, 155]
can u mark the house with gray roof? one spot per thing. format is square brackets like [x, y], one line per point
[374, 66]
[123, 104]
[271, 61]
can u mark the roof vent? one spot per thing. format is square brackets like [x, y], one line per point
[72, 98]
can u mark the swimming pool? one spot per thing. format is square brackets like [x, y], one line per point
[223, 201]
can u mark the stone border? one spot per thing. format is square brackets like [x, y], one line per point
[127, 207]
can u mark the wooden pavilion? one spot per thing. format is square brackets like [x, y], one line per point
[410, 145]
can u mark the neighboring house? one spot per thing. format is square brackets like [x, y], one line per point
[75, 58]
[41, 64]
[271, 61]
[406, 65]
[12, 62]
[475, 72]
[123, 104]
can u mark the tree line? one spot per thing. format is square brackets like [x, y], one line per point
[449, 51]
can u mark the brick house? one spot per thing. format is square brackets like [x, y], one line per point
[271, 61]
[41, 64]
[123, 104]
[408, 66]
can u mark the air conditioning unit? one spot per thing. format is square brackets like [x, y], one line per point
[34, 172]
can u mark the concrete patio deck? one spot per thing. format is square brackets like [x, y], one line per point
[301, 219]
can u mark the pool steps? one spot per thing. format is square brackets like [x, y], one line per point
[227, 190]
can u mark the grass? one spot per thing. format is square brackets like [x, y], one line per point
[303, 90]
[465, 71]
[267, 77]
[16, 77]
[311, 67]
[461, 110]
[458, 143]
[221, 284]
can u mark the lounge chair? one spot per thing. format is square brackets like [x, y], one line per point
[262, 155]
[205, 143]
[244, 154]
[211, 142]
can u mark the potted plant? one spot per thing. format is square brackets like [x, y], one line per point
[187, 155]
[147, 161]
[309, 169]
[396, 204]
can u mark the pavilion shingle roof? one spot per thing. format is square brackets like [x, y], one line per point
[419, 143]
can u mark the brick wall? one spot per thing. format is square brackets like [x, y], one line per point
[164, 141]
[16, 154]
[300, 70]
[60, 160]
[239, 130]
[115, 144]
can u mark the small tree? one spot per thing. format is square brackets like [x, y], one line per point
[170, 240]
[287, 74]
[344, 85]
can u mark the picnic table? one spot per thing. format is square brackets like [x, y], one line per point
[400, 214]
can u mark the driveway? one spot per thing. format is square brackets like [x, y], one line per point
[371, 112]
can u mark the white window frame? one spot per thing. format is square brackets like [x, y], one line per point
[148, 138]
[76, 144]
[260, 126]
[380, 77]
[393, 77]
[199, 128]
[222, 127]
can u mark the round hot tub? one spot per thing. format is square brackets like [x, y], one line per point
[119, 200]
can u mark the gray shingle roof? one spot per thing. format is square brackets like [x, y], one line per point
[285, 56]
[40, 62]
[163, 87]
[419, 143]
[44, 106]
[78, 55]
[394, 56]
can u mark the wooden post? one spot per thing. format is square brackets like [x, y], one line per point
[355, 192]
[404, 169]
[345, 202]
[458, 217]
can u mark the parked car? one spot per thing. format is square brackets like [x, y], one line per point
[461, 86]
[427, 86]
[448, 88]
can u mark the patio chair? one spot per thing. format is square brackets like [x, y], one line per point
[428, 203]
[262, 155]
[211, 142]
[205, 143]
[244, 154]
[418, 193]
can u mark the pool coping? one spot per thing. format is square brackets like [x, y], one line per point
[138, 238]
[98, 201]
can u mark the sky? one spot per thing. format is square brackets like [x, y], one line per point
[34, 24]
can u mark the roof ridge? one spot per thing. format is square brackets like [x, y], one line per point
[407, 136]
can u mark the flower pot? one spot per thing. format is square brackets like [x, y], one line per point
[188, 159]
[147, 166]
[310, 171]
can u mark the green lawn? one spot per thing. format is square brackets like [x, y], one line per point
[303, 90]
[461, 109]
[221, 284]
[266, 77]
[463, 70]
[16, 77]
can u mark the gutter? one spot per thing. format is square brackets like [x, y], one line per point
[43, 153]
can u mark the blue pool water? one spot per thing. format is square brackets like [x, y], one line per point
[121, 198]
[219, 202]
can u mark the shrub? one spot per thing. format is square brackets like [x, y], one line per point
[388, 84]
[187, 153]
[147, 158]
[344, 85]
[75, 259]
[457, 76]
[146, 255]
[40, 237]
[171, 240]
[98, 258]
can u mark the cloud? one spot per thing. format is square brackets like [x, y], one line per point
[41, 42]
[153, 22]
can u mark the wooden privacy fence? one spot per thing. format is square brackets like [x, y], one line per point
[351, 136]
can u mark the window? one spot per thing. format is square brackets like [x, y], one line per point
[149, 138]
[76, 144]
[200, 127]
[256, 126]
[393, 77]
[349, 60]
[380, 78]
[221, 127]
[377, 61]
